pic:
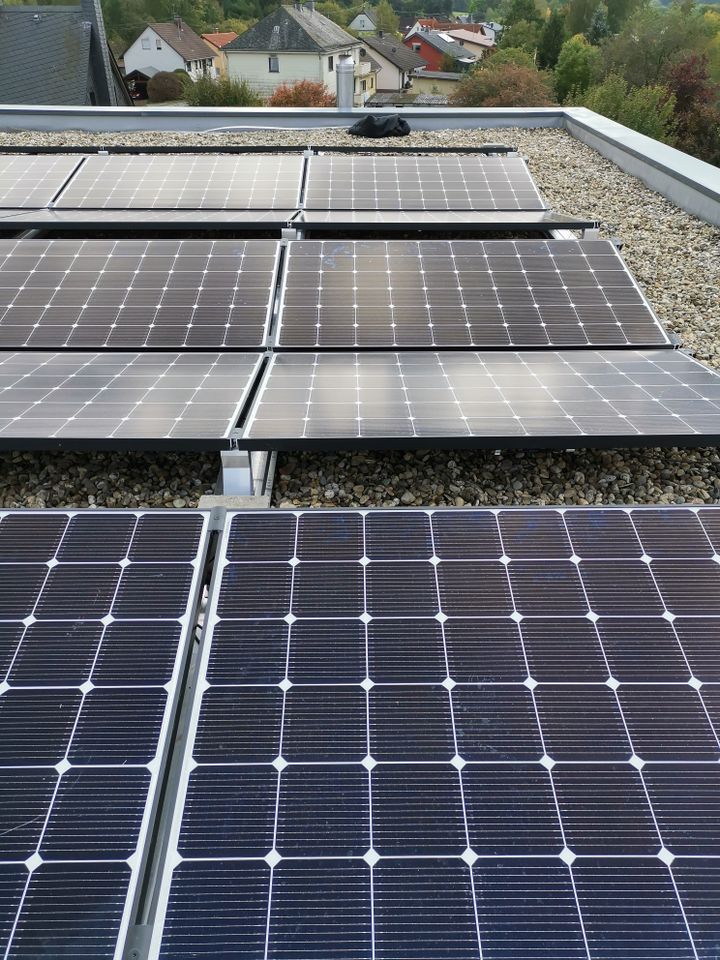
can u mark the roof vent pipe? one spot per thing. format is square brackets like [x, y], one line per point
[345, 81]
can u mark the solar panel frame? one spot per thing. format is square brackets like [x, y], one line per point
[449, 294]
[402, 220]
[487, 385]
[45, 399]
[444, 182]
[531, 889]
[146, 220]
[180, 181]
[33, 181]
[135, 536]
[137, 294]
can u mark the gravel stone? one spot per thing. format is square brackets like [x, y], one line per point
[674, 256]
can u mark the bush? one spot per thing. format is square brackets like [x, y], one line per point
[165, 86]
[514, 55]
[303, 93]
[222, 93]
[575, 66]
[649, 110]
[507, 85]
[184, 77]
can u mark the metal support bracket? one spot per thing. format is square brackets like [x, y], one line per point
[591, 233]
[236, 473]
[137, 942]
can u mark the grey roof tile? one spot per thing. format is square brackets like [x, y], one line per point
[290, 28]
[393, 50]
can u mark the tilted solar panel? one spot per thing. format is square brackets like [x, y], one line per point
[95, 614]
[445, 182]
[573, 398]
[122, 400]
[136, 293]
[175, 182]
[442, 293]
[453, 734]
[33, 181]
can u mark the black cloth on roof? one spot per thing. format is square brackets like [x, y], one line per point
[391, 125]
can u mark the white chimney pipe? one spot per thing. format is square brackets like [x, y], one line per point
[345, 81]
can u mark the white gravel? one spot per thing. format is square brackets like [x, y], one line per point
[674, 256]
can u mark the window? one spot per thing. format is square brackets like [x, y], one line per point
[158, 44]
[330, 64]
[273, 64]
[417, 46]
[145, 43]
[364, 85]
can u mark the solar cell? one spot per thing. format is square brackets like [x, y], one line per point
[176, 182]
[33, 181]
[462, 293]
[492, 399]
[88, 691]
[116, 400]
[136, 293]
[445, 182]
[425, 792]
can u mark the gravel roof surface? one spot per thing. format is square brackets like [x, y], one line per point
[674, 256]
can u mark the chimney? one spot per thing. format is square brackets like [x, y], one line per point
[310, 6]
[178, 22]
[380, 34]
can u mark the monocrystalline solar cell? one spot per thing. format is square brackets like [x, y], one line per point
[33, 181]
[461, 293]
[444, 781]
[578, 397]
[88, 693]
[445, 182]
[177, 181]
[116, 400]
[132, 294]
[156, 220]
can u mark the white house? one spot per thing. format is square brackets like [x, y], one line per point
[364, 22]
[297, 43]
[169, 46]
[395, 60]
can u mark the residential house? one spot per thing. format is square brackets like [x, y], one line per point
[58, 55]
[169, 46]
[216, 42]
[297, 43]
[364, 22]
[396, 62]
[436, 48]
[492, 29]
[436, 82]
[475, 43]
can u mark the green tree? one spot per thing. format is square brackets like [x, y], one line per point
[575, 66]
[505, 86]
[621, 10]
[524, 34]
[522, 10]
[649, 110]
[333, 11]
[386, 18]
[551, 40]
[514, 55]
[598, 29]
[578, 15]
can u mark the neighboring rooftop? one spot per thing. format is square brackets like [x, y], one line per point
[220, 40]
[182, 38]
[442, 42]
[58, 55]
[396, 52]
[293, 28]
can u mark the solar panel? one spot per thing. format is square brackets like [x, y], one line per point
[182, 181]
[422, 734]
[445, 182]
[146, 219]
[96, 612]
[462, 293]
[33, 181]
[357, 220]
[122, 400]
[574, 398]
[136, 293]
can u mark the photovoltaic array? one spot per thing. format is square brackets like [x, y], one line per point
[117, 400]
[449, 182]
[183, 181]
[33, 181]
[136, 293]
[95, 615]
[454, 734]
[524, 293]
[577, 397]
